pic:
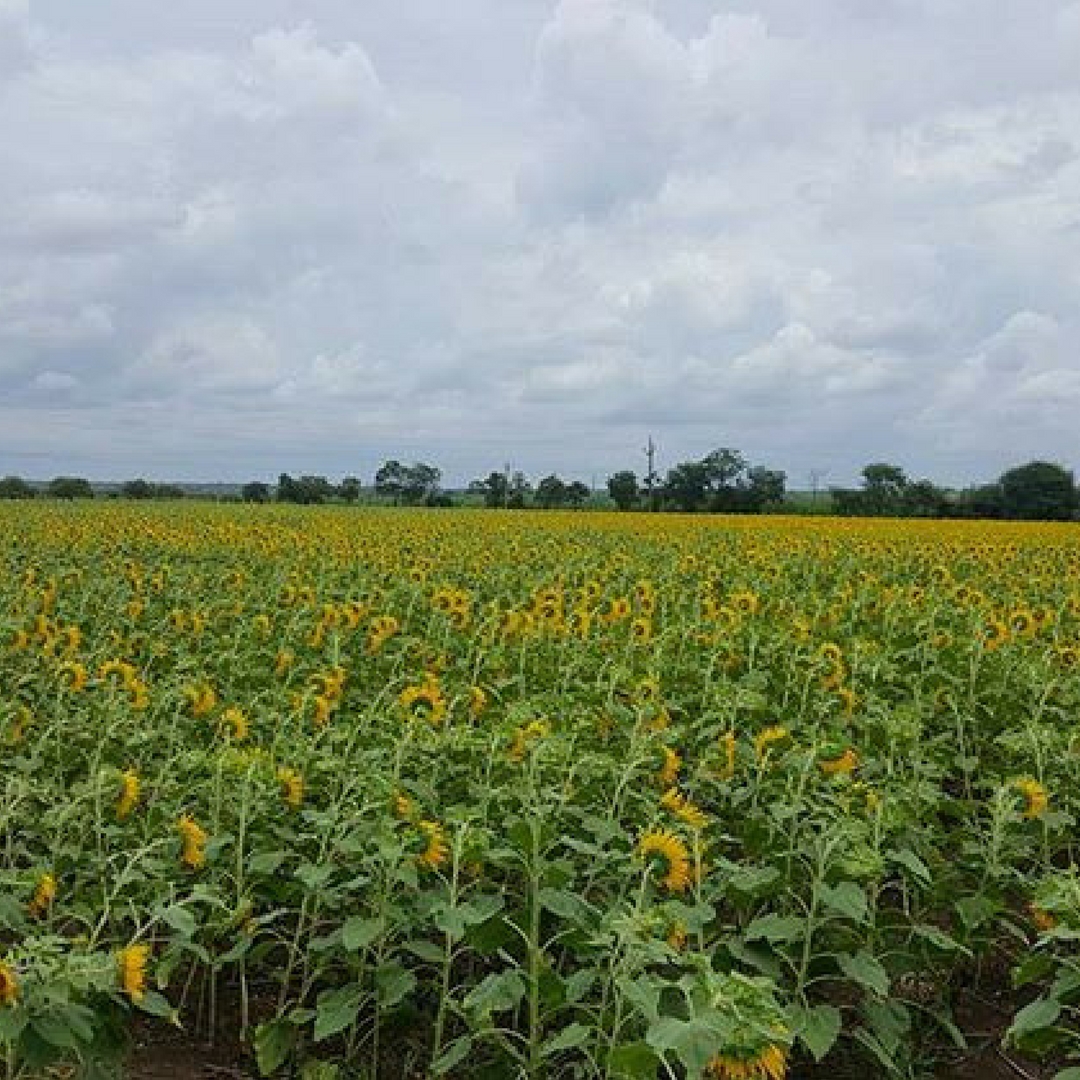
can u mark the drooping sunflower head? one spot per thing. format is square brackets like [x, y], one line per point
[687, 811]
[756, 1043]
[193, 842]
[292, 786]
[670, 765]
[44, 895]
[668, 857]
[128, 798]
[766, 739]
[838, 759]
[436, 849]
[1036, 798]
[131, 966]
[9, 985]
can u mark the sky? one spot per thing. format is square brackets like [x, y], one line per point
[263, 235]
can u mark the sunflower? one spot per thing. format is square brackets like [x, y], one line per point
[727, 745]
[765, 740]
[193, 838]
[424, 701]
[9, 985]
[75, 676]
[235, 723]
[292, 786]
[478, 701]
[131, 963]
[44, 895]
[769, 1062]
[1036, 799]
[669, 770]
[641, 630]
[129, 794]
[1041, 919]
[678, 805]
[435, 847]
[994, 635]
[283, 661]
[669, 856]
[746, 602]
[838, 762]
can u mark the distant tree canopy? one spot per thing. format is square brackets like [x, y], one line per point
[1039, 490]
[494, 489]
[13, 487]
[723, 482]
[553, 493]
[306, 490]
[70, 487]
[888, 492]
[409, 484]
[255, 491]
[623, 489]
[349, 489]
[144, 489]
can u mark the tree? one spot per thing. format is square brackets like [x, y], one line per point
[305, 491]
[137, 489]
[391, 480]
[1039, 490]
[687, 485]
[12, 487]
[518, 493]
[70, 487]
[577, 494]
[349, 489]
[421, 482]
[765, 487]
[623, 489]
[550, 493]
[255, 492]
[407, 483]
[884, 486]
[494, 490]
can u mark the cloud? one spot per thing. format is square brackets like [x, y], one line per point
[826, 233]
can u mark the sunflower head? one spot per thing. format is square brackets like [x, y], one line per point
[668, 857]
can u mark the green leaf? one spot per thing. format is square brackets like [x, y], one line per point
[847, 899]
[775, 928]
[358, 933]
[1072, 1073]
[693, 1042]
[910, 861]
[179, 919]
[975, 910]
[497, 993]
[268, 862]
[157, 1005]
[453, 1055]
[634, 1061]
[566, 905]
[579, 984]
[570, 1038]
[1040, 1014]
[335, 1010]
[864, 969]
[818, 1028]
[392, 984]
[273, 1044]
[939, 939]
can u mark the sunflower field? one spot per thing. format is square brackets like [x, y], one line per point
[497, 794]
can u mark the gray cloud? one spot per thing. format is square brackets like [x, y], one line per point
[232, 242]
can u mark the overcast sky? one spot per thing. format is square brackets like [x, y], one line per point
[246, 236]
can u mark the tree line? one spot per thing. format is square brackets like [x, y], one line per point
[723, 481]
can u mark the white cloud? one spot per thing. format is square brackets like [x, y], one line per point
[827, 232]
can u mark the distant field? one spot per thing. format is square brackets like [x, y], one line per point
[476, 794]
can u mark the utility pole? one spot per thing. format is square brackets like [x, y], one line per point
[650, 476]
[506, 487]
[816, 476]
